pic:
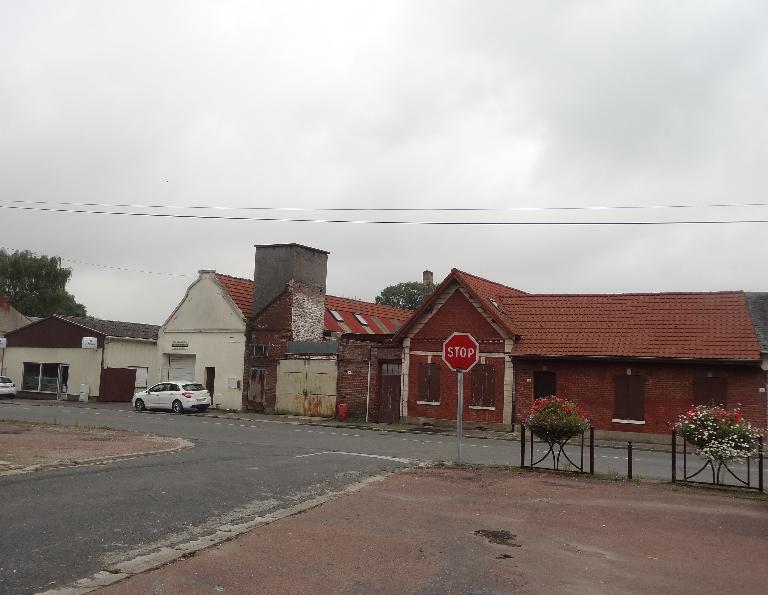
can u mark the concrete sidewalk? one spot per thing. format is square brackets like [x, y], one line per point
[486, 531]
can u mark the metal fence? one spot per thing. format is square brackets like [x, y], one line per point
[558, 453]
[722, 474]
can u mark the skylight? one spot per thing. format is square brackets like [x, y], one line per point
[336, 315]
[361, 320]
[495, 304]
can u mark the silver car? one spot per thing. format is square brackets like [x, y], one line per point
[174, 396]
[7, 387]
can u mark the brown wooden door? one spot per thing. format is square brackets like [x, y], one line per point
[389, 393]
[117, 384]
[210, 381]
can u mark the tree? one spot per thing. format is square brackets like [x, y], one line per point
[37, 284]
[408, 295]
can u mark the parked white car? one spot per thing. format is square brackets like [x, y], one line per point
[7, 387]
[174, 396]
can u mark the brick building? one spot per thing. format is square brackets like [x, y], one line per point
[633, 361]
[293, 336]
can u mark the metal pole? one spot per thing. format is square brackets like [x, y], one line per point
[674, 456]
[522, 445]
[591, 451]
[760, 463]
[460, 411]
[368, 394]
[629, 460]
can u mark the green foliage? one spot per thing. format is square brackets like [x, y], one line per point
[37, 284]
[407, 295]
[556, 420]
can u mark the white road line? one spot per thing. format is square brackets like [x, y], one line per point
[354, 454]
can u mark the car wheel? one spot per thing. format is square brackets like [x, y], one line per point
[202, 408]
[177, 407]
[139, 405]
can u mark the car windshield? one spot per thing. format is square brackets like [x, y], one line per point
[194, 386]
[5, 380]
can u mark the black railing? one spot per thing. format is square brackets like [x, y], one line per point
[556, 450]
[721, 472]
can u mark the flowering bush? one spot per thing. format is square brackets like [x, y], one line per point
[720, 435]
[555, 420]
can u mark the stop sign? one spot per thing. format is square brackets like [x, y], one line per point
[461, 351]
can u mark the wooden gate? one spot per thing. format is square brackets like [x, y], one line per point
[389, 393]
[306, 387]
[117, 384]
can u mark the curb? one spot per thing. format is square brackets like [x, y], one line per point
[165, 555]
[182, 444]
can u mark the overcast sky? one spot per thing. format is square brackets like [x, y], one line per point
[390, 104]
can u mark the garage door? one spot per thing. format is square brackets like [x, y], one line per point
[182, 367]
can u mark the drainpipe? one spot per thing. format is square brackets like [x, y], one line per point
[368, 393]
[514, 391]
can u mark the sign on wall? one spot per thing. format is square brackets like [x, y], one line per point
[90, 343]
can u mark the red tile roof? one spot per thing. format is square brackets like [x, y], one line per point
[658, 325]
[240, 290]
[381, 319]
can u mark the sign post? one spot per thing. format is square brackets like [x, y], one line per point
[460, 353]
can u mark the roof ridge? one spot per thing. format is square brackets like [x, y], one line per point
[234, 277]
[86, 318]
[367, 303]
[459, 271]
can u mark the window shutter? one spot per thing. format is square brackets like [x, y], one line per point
[700, 391]
[620, 397]
[636, 400]
[477, 381]
[543, 384]
[423, 382]
[434, 383]
[719, 390]
[489, 395]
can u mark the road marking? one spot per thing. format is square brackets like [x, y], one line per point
[354, 454]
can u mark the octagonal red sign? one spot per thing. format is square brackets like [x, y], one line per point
[461, 351]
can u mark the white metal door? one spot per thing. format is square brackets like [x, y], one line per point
[181, 367]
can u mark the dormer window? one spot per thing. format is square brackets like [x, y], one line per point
[361, 320]
[338, 317]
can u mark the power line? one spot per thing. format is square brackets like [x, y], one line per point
[381, 222]
[524, 209]
[108, 266]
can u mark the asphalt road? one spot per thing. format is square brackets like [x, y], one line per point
[61, 525]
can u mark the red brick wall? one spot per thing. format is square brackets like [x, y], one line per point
[272, 327]
[668, 389]
[457, 314]
[447, 408]
[352, 379]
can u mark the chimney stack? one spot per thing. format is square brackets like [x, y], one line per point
[278, 264]
[5, 303]
[429, 284]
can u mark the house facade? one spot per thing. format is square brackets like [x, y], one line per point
[203, 339]
[634, 362]
[49, 359]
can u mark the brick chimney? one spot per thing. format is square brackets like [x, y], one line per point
[5, 303]
[428, 280]
[303, 270]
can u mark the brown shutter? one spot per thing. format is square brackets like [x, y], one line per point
[489, 395]
[423, 382]
[719, 391]
[477, 381]
[700, 391]
[543, 384]
[636, 400]
[620, 397]
[434, 383]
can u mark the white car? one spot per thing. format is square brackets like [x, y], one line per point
[7, 387]
[174, 396]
